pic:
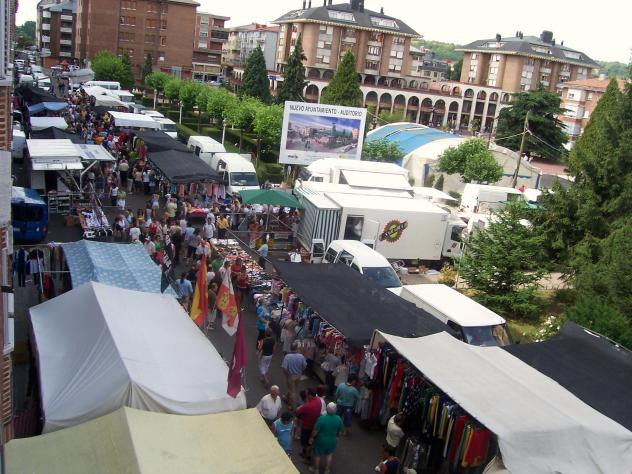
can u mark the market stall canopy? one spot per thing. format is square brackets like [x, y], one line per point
[100, 348]
[273, 197]
[53, 155]
[40, 123]
[50, 106]
[157, 140]
[94, 153]
[588, 365]
[541, 427]
[138, 442]
[51, 133]
[109, 101]
[124, 266]
[354, 304]
[183, 167]
[125, 119]
[34, 95]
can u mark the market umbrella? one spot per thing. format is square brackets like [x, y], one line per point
[270, 196]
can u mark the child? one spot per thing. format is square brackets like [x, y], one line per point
[283, 431]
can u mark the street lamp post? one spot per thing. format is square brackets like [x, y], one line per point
[223, 131]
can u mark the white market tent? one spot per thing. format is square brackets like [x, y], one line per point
[125, 119]
[541, 427]
[137, 442]
[94, 153]
[40, 123]
[100, 348]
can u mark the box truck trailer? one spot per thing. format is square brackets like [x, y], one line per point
[397, 228]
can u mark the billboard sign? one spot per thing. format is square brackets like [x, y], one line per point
[315, 131]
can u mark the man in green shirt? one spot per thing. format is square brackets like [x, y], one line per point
[346, 397]
[324, 438]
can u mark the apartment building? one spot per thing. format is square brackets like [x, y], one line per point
[579, 99]
[55, 31]
[425, 66]
[7, 31]
[520, 63]
[163, 28]
[256, 35]
[208, 41]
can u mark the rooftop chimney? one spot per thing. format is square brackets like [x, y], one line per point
[546, 37]
[562, 43]
[520, 35]
[304, 2]
[381, 10]
[330, 2]
[361, 6]
[354, 4]
[498, 37]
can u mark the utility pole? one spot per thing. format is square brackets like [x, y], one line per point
[523, 143]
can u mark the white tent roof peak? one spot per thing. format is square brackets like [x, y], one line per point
[100, 348]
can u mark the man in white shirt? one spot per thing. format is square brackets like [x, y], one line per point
[270, 405]
[208, 231]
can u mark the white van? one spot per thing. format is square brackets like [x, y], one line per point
[364, 260]
[110, 85]
[473, 322]
[152, 113]
[204, 147]
[485, 198]
[236, 170]
[168, 126]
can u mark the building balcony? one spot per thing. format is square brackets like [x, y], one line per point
[45, 39]
[545, 70]
[66, 42]
[348, 39]
[373, 57]
[65, 30]
[45, 14]
[65, 17]
[65, 54]
[371, 71]
[46, 26]
[375, 43]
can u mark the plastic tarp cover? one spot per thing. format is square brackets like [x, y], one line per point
[182, 167]
[100, 348]
[541, 427]
[137, 442]
[121, 265]
[157, 140]
[376, 180]
[40, 123]
[588, 365]
[53, 133]
[354, 304]
[52, 106]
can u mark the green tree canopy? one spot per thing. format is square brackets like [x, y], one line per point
[455, 70]
[242, 115]
[188, 93]
[128, 82]
[344, 88]
[293, 76]
[472, 160]
[157, 81]
[381, 149]
[547, 135]
[256, 83]
[148, 66]
[172, 89]
[268, 122]
[217, 102]
[25, 34]
[109, 67]
[503, 262]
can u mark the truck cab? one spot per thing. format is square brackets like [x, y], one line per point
[364, 260]
[236, 170]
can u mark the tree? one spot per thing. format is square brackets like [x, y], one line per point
[472, 160]
[201, 101]
[381, 149]
[455, 71]
[188, 93]
[157, 82]
[386, 116]
[502, 263]
[439, 183]
[344, 88]
[218, 101]
[546, 136]
[267, 124]
[243, 116]
[148, 66]
[128, 75]
[172, 89]
[293, 76]
[256, 83]
[25, 34]
[593, 313]
[109, 67]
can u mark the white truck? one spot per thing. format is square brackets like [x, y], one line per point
[472, 322]
[204, 147]
[397, 228]
[481, 198]
[368, 174]
[168, 126]
[236, 171]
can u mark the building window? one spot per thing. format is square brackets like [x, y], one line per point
[427, 73]
[130, 52]
[152, 7]
[322, 59]
[472, 68]
[151, 23]
[128, 20]
[399, 40]
[161, 56]
[474, 56]
[164, 8]
[374, 51]
[128, 5]
[374, 65]
[350, 33]
[126, 36]
[203, 34]
[491, 82]
[384, 22]
[589, 96]
[163, 24]
[344, 16]
[377, 37]
[396, 54]
[163, 41]
[150, 38]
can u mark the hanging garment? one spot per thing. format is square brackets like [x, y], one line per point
[476, 451]
[20, 266]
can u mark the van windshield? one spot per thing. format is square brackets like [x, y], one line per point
[243, 179]
[487, 335]
[168, 127]
[383, 276]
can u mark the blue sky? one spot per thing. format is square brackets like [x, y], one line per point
[601, 30]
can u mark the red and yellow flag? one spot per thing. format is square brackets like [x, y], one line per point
[199, 308]
[227, 304]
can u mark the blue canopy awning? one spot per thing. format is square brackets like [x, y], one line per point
[120, 265]
[52, 106]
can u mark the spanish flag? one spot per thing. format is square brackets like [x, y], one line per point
[227, 304]
[199, 308]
